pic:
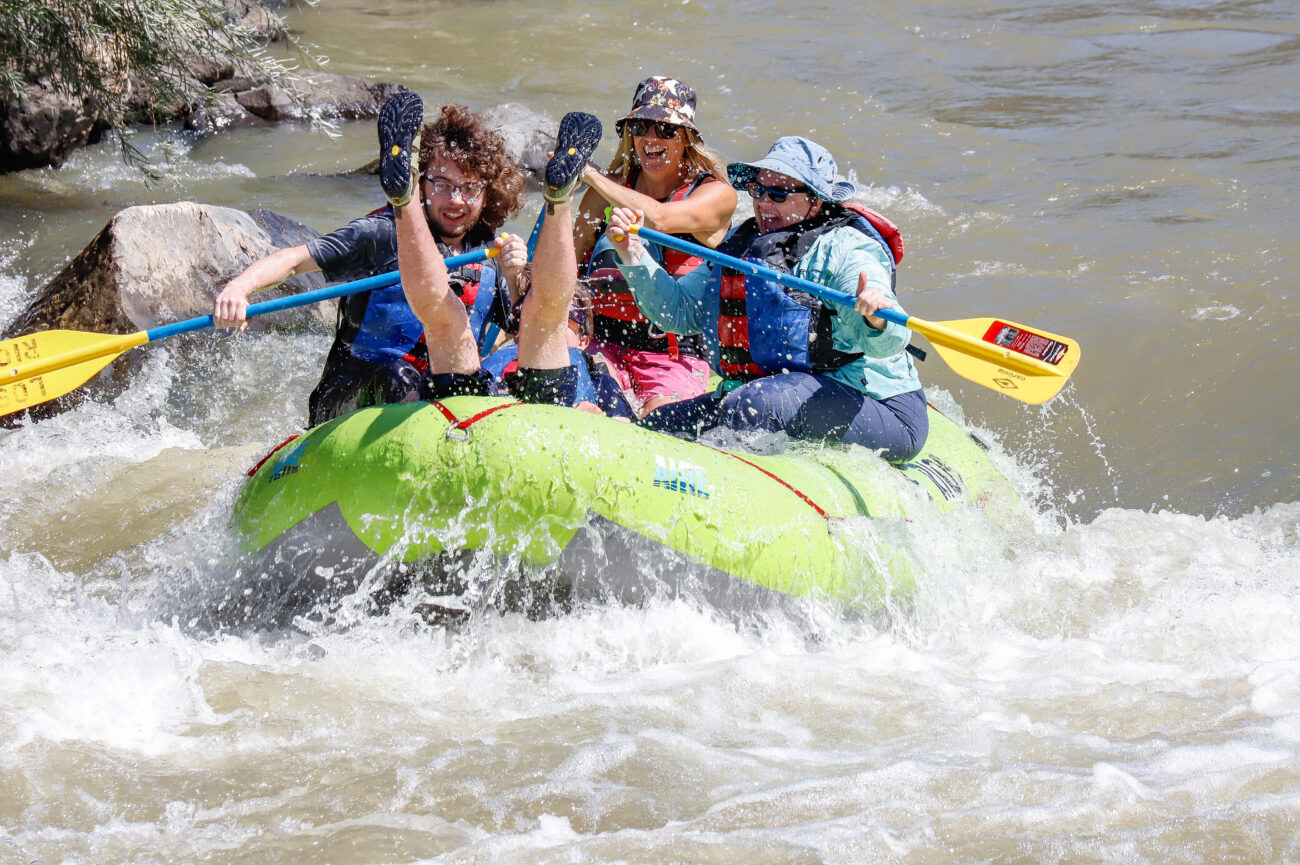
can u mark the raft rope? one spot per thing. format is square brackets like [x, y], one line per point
[462, 427]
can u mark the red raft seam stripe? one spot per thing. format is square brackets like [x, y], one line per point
[270, 454]
[465, 424]
[812, 504]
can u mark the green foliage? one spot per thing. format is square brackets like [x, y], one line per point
[130, 59]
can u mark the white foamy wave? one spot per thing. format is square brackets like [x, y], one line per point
[211, 391]
[1216, 313]
[13, 292]
[894, 200]
[13, 287]
[982, 269]
[77, 667]
[127, 430]
[101, 168]
[1078, 651]
[1129, 598]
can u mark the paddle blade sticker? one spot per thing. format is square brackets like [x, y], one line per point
[1027, 364]
[1026, 342]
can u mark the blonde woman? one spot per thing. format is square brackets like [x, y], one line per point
[662, 170]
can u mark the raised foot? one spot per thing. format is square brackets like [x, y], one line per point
[399, 146]
[579, 135]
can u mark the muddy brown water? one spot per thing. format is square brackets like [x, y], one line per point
[1121, 683]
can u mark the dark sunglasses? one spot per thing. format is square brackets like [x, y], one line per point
[662, 128]
[777, 194]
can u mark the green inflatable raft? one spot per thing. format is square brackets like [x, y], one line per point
[565, 506]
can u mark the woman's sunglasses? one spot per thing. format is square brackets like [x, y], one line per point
[662, 128]
[777, 194]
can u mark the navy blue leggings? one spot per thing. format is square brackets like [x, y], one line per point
[805, 406]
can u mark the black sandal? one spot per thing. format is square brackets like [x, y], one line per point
[399, 146]
[579, 135]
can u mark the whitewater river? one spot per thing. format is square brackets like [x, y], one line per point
[1116, 681]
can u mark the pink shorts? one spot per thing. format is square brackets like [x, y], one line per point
[648, 375]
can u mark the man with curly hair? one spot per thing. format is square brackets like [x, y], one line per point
[468, 189]
[546, 372]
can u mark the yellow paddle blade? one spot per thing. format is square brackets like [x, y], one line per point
[1024, 363]
[51, 385]
[43, 366]
[36, 346]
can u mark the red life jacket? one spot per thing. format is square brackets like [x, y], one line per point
[616, 317]
[889, 232]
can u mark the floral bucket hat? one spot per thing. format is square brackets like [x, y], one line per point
[662, 99]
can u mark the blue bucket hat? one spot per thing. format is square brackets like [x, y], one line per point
[801, 159]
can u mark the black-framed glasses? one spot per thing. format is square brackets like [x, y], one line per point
[662, 128]
[777, 194]
[469, 192]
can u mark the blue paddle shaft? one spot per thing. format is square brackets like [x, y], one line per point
[786, 279]
[329, 292]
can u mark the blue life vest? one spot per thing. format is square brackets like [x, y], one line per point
[506, 359]
[766, 328]
[390, 331]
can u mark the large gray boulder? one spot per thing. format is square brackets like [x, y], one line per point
[42, 130]
[528, 136]
[157, 264]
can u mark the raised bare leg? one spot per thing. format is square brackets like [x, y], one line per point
[545, 314]
[424, 273]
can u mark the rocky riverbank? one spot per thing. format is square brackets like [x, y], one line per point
[48, 125]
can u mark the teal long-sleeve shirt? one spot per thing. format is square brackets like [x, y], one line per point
[690, 305]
